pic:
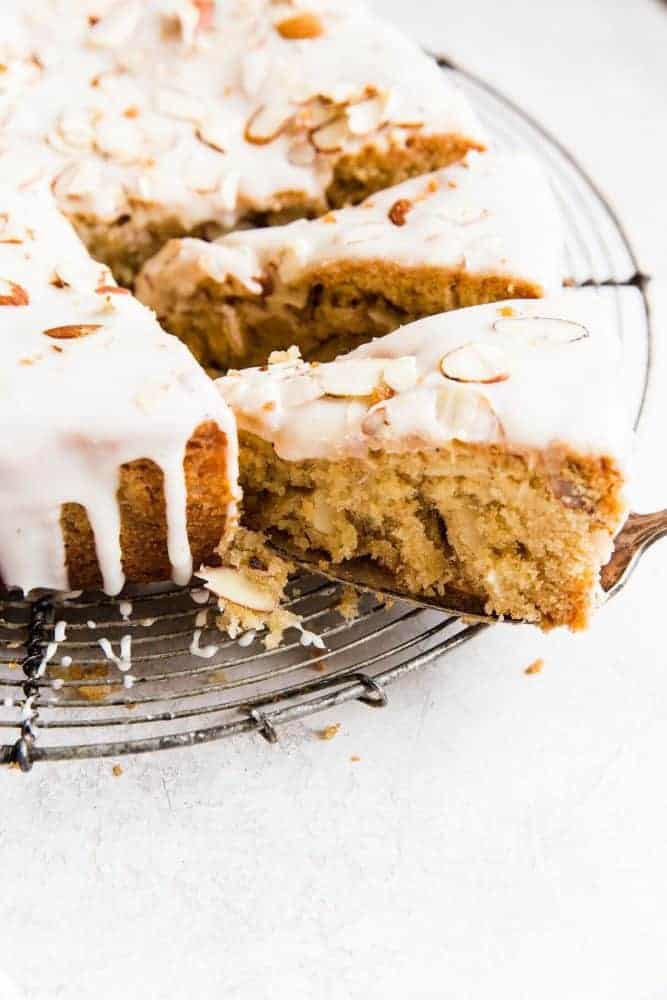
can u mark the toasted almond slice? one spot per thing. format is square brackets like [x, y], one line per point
[350, 378]
[267, 123]
[72, 332]
[212, 135]
[301, 153]
[475, 362]
[179, 105]
[76, 128]
[401, 374]
[12, 294]
[119, 139]
[330, 137]
[300, 26]
[78, 180]
[466, 414]
[547, 329]
[206, 10]
[238, 587]
[366, 116]
[376, 420]
[111, 290]
[115, 28]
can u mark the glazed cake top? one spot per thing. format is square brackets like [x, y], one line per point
[492, 213]
[88, 382]
[523, 374]
[193, 110]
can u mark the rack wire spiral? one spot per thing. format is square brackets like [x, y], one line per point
[148, 686]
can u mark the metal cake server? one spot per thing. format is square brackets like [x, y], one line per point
[637, 535]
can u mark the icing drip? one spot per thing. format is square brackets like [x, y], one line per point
[88, 383]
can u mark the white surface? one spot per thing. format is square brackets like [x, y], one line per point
[503, 836]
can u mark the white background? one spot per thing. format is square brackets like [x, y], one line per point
[503, 836]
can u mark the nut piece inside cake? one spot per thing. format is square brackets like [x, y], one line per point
[449, 452]
[480, 231]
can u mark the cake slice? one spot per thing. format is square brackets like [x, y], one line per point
[118, 457]
[479, 453]
[155, 119]
[480, 231]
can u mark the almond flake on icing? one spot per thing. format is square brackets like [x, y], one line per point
[12, 294]
[476, 362]
[72, 332]
[558, 398]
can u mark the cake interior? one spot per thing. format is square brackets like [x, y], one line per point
[525, 533]
[328, 311]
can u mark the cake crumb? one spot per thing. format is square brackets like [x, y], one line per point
[329, 732]
[535, 666]
[116, 770]
[354, 758]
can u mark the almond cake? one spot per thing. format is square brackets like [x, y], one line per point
[478, 231]
[119, 458]
[158, 118]
[478, 452]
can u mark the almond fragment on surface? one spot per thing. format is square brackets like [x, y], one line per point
[12, 294]
[206, 10]
[546, 329]
[329, 732]
[111, 290]
[330, 137]
[300, 26]
[480, 362]
[238, 587]
[72, 332]
[534, 667]
[399, 210]
[350, 378]
[266, 124]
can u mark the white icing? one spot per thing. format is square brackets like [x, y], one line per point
[79, 408]
[491, 214]
[561, 386]
[139, 107]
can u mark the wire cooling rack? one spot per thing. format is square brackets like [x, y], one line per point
[89, 676]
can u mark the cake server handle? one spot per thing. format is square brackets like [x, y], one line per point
[638, 533]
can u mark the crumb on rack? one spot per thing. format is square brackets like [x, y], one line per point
[116, 770]
[329, 732]
[535, 666]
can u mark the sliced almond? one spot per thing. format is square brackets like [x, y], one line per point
[238, 587]
[401, 374]
[72, 332]
[120, 140]
[366, 116]
[475, 362]
[78, 180]
[466, 414]
[76, 128]
[12, 294]
[301, 153]
[376, 420]
[350, 378]
[330, 137]
[267, 123]
[206, 10]
[179, 105]
[542, 328]
[213, 135]
[300, 26]
[115, 28]
[111, 290]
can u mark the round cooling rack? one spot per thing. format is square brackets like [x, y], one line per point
[90, 676]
